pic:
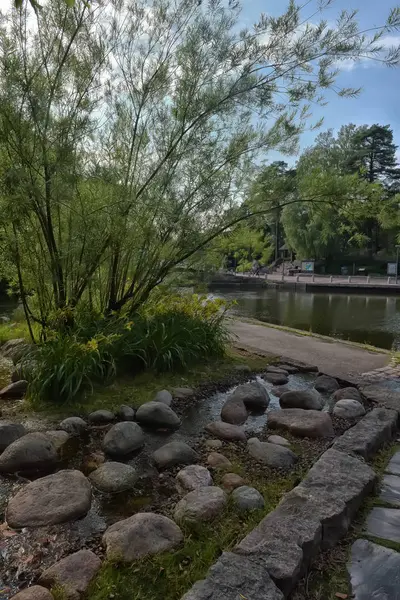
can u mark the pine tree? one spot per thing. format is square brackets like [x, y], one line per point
[374, 154]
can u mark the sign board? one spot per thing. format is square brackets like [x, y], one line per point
[392, 268]
[307, 266]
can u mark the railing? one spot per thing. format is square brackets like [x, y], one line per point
[325, 279]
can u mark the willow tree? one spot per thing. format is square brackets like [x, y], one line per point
[128, 131]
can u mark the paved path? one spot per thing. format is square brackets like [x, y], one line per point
[333, 358]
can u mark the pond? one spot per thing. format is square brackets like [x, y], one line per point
[361, 318]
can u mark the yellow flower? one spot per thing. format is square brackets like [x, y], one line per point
[92, 345]
[129, 325]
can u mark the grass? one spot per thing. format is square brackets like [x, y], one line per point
[10, 331]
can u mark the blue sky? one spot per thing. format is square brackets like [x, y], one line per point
[379, 101]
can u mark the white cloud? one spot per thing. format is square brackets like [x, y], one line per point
[348, 64]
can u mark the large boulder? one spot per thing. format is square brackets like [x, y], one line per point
[14, 391]
[114, 477]
[347, 393]
[203, 504]
[306, 399]
[16, 349]
[72, 574]
[182, 393]
[143, 534]
[348, 409]
[36, 592]
[253, 395]
[278, 390]
[326, 384]
[226, 431]
[123, 438]
[9, 432]
[174, 453]
[60, 440]
[193, 477]
[163, 396]
[303, 423]
[276, 378]
[247, 498]
[278, 370]
[272, 455]
[74, 426]
[31, 452]
[157, 415]
[126, 413]
[234, 411]
[101, 417]
[64, 496]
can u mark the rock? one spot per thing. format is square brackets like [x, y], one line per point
[374, 572]
[278, 439]
[143, 534]
[101, 417]
[126, 413]
[218, 461]
[64, 496]
[390, 491]
[234, 411]
[114, 477]
[226, 431]
[326, 384]
[193, 477]
[394, 464]
[289, 368]
[278, 370]
[253, 395]
[305, 399]
[182, 393]
[235, 577]
[14, 390]
[74, 426]
[382, 396]
[164, 396]
[348, 409]
[203, 504]
[247, 498]
[303, 423]
[59, 440]
[369, 434]
[123, 438]
[9, 432]
[36, 592]
[384, 523]
[157, 415]
[73, 574]
[347, 393]
[15, 349]
[276, 378]
[231, 481]
[279, 390]
[272, 455]
[31, 452]
[92, 461]
[213, 444]
[174, 453]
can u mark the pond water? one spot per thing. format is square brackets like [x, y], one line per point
[361, 318]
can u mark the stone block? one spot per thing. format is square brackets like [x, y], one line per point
[374, 572]
[384, 523]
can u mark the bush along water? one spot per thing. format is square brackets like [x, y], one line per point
[168, 333]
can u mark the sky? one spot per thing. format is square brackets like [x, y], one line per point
[379, 101]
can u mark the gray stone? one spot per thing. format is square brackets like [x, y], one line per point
[174, 453]
[14, 390]
[374, 572]
[279, 390]
[370, 434]
[143, 534]
[193, 477]
[347, 393]
[126, 413]
[247, 498]
[16, 349]
[276, 378]
[348, 409]
[64, 496]
[305, 399]
[226, 431]
[383, 396]
[218, 461]
[60, 440]
[101, 417]
[278, 370]
[36, 592]
[157, 415]
[213, 444]
[182, 393]
[123, 438]
[164, 396]
[326, 384]
[272, 455]
[384, 523]
[235, 577]
[9, 432]
[74, 426]
[253, 395]
[203, 504]
[72, 573]
[390, 491]
[234, 411]
[31, 452]
[114, 477]
[288, 368]
[279, 440]
[394, 465]
[303, 423]
[231, 481]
